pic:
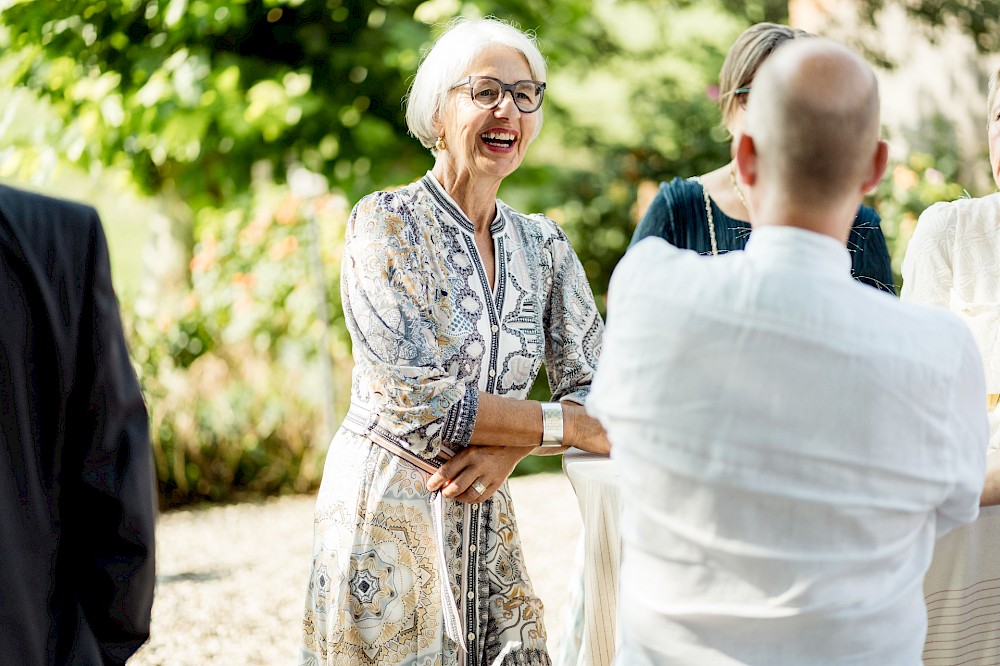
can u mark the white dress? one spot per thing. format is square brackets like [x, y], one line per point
[953, 260]
[400, 575]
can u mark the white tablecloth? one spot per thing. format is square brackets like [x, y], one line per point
[595, 481]
[962, 590]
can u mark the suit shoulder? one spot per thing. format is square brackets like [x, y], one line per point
[39, 216]
[26, 201]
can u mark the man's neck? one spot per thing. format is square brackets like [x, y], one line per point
[831, 220]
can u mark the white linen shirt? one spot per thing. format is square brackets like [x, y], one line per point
[790, 444]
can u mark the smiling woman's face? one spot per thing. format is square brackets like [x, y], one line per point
[488, 143]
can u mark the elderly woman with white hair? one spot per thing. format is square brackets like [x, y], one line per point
[453, 300]
[952, 261]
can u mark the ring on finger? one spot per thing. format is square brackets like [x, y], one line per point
[479, 487]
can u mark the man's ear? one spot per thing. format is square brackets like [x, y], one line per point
[877, 168]
[746, 159]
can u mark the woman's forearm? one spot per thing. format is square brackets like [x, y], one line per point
[512, 422]
[507, 422]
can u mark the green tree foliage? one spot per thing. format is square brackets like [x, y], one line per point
[196, 98]
[980, 19]
[187, 94]
[646, 113]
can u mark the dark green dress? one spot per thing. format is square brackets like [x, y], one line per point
[677, 214]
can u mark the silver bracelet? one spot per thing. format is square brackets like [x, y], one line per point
[552, 424]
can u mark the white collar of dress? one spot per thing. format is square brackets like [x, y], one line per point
[444, 200]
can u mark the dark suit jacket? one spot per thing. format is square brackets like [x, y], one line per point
[76, 482]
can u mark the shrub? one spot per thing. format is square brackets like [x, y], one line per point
[234, 372]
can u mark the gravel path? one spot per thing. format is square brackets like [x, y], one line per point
[232, 579]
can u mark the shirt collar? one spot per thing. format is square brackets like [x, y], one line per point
[445, 201]
[799, 247]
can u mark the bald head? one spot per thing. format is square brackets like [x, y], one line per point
[813, 117]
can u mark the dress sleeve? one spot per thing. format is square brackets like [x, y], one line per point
[927, 266]
[870, 262]
[110, 506]
[658, 220]
[398, 312]
[573, 326]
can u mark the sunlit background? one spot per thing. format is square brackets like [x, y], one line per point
[225, 141]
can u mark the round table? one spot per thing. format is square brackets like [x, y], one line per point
[596, 484]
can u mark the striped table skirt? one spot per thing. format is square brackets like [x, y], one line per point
[962, 590]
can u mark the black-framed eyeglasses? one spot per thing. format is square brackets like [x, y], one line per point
[487, 92]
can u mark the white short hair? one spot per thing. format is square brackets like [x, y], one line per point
[445, 63]
[991, 96]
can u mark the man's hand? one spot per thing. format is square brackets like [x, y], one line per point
[584, 431]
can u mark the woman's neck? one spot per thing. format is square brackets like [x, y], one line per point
[477, 197]
[726, 195]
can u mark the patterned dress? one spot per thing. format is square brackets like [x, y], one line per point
[429, 333]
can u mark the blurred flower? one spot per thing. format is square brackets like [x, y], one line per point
[245, 280]
[164, 322]
[284, 248]
[934, 177]
[903, 177]
[243, 304]
[254, 233]
[190, 302]
[288, 210]
[713, 93]
[333, 202]
[206, 255]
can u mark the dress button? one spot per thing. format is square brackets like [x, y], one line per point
[493, 373]
[472, 548]
[472, 595]
[495, 328]
[472, 636]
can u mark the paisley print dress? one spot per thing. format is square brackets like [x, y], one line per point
[400, 575]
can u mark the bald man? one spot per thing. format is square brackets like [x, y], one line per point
[790, 442]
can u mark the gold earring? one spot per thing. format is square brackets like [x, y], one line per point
[440, 145]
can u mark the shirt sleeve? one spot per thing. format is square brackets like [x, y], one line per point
[573, 326]
[968, 436]
[616, 381]
[927, 266]
[109, 508]
[397, 303]
[870, 263]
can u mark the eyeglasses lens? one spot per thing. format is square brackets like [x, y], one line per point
[487, 93]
